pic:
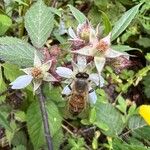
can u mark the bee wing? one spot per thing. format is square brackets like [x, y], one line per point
[67, 90]
[92, 96]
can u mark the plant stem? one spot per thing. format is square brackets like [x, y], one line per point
[45, 119]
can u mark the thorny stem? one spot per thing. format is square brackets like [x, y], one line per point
[45, 119]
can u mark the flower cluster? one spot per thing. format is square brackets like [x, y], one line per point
[100, 50]
[86, 43]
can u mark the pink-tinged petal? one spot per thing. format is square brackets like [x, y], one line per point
[66, 91]
[27, 70]
[113, 53]
[92, 96]
[64, 72]
[49, 78]
[87, 51]
[21, 82]
[94, 77]
[72, 33]
[36, 84]
[37, 61]
[93, 37]
[81, 26]
[46, 66]
[99, 63]
[107, 39]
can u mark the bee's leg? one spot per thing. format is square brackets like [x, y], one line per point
[66, 91]
[92, 96]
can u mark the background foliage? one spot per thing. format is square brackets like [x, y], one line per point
[113, 122]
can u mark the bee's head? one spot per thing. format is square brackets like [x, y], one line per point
[82, 75]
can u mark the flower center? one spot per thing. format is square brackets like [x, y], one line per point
[85, 33]
[102, 46]
[37, 73]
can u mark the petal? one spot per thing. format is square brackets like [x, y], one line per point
[66, 91]
[99, 63]
[72, 33]
[107, 39]
[113, 54]
[92, 96]
[37, 61]
[48, 77]
[89, 67]
[64, 72]
[93, 37]
[81, 26]
[81, 62]
[27, 70]
[75, 68]
[94, 77]
[87, 51]
[21, 82]
[36, 84]
[99, 30]
[102, 81]
[46, 66]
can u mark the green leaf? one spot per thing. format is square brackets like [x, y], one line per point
[39, 22]
[122, 104]
[10, 134]
[92, 115]
[101, 125]
[118, 144]
[19, 138]
[16, 51]
[146, 83]
[80, 17]
[55, 11]
[3, 122]
[139, 127]
[106, 22]
[11, 71]
[53, 93]
[19, 147]
[20, 2]
[2, 87]
[142, 133]
[107, 114]
[123, 48]
[136, 122]
[124, 21]
[5, 23]
[145, 42]
[57, 139]
[35, 124]
[20, 116]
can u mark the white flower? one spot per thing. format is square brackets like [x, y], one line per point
[100, 50]
[36, 74]
[80, 67]
[82, 33]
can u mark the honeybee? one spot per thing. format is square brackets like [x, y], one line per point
[79, 95]
[79, 92]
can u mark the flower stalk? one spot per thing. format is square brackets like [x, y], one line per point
[47, 132]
